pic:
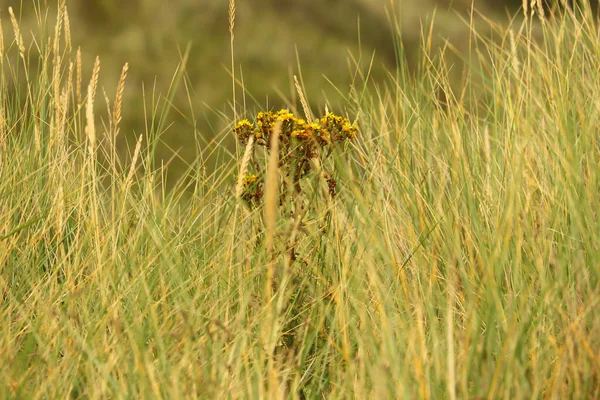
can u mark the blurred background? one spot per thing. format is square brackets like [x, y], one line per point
[324, 41]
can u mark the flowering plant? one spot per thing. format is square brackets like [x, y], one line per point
[299, 143]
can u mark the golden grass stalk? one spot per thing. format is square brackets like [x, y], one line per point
[69, 88]
[1, 42]
[244, 167]
[56, 87]
[540, 10]
[37, 140]
[57, 31]
[90, 129]
[307, 113]
[231, 17]
[60, 209]
[67, 30]
[79, 76]
[232, 36]
[525, 7]
[119, 100]
[136, 154]
[94, 81]
[107, 102]
[56, 75]
[17, 31]
[271, 194]
[516, 64]
[62, 120]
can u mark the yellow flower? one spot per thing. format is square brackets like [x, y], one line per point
[252, 189]
[243, 129]
[349, 131]
[250, 179]
[289, 123]
[338, 127]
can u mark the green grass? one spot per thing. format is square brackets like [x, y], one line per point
[459, 258]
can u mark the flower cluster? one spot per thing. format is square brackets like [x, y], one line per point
[329, 129]
[299, 141]
[252, 189]
[335, 128]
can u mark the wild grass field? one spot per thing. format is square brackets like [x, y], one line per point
[447, 248]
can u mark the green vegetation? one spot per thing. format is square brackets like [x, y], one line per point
[457, 259]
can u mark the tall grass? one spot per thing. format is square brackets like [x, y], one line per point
[459, 258]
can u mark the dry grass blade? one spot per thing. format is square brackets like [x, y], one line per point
[232, 36]
[119, 100]
[132, 167]
[59, 208]
[540, 9]
[69, 88]
[231, 12]
[62, 120]
[79, 77]
[244, 167]
[58, 31]
[94, 80]
[17, 31]
[271, 195]
[305, 107]
[516, 64]
[271, 200]
[56, 84]
[90, 128]
[67, 30]
[1, 43]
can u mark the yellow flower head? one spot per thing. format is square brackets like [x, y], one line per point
[306, 131]
[338, 128]
[349, 131]
[243, 130]
[289, 123]
[264, 124]
[252, 189]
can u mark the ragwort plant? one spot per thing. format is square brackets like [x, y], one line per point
[303, 147]
[303, 150]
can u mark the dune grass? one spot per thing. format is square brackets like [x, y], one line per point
[458, 259]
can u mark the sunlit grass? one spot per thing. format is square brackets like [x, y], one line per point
[458, 259]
